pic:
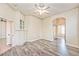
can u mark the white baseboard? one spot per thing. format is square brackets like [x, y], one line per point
[72, 45]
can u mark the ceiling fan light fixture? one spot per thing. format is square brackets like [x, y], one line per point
[42, 11]
[41, 8]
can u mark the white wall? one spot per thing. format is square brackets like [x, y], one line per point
[33, 28]
[47, 29]
[78, 26]
[71, 27]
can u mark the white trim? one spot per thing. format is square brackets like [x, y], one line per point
[72, 45]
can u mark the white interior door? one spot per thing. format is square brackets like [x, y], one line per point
[9, 32]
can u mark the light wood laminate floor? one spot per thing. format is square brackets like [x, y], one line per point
[43, 48]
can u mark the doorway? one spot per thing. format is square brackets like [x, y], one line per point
[9, 32]
[59, 28]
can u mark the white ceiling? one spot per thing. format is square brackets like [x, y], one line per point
[54, 8]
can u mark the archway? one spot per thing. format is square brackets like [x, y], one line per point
[59, 28]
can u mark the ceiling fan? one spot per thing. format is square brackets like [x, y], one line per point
[41, 8]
